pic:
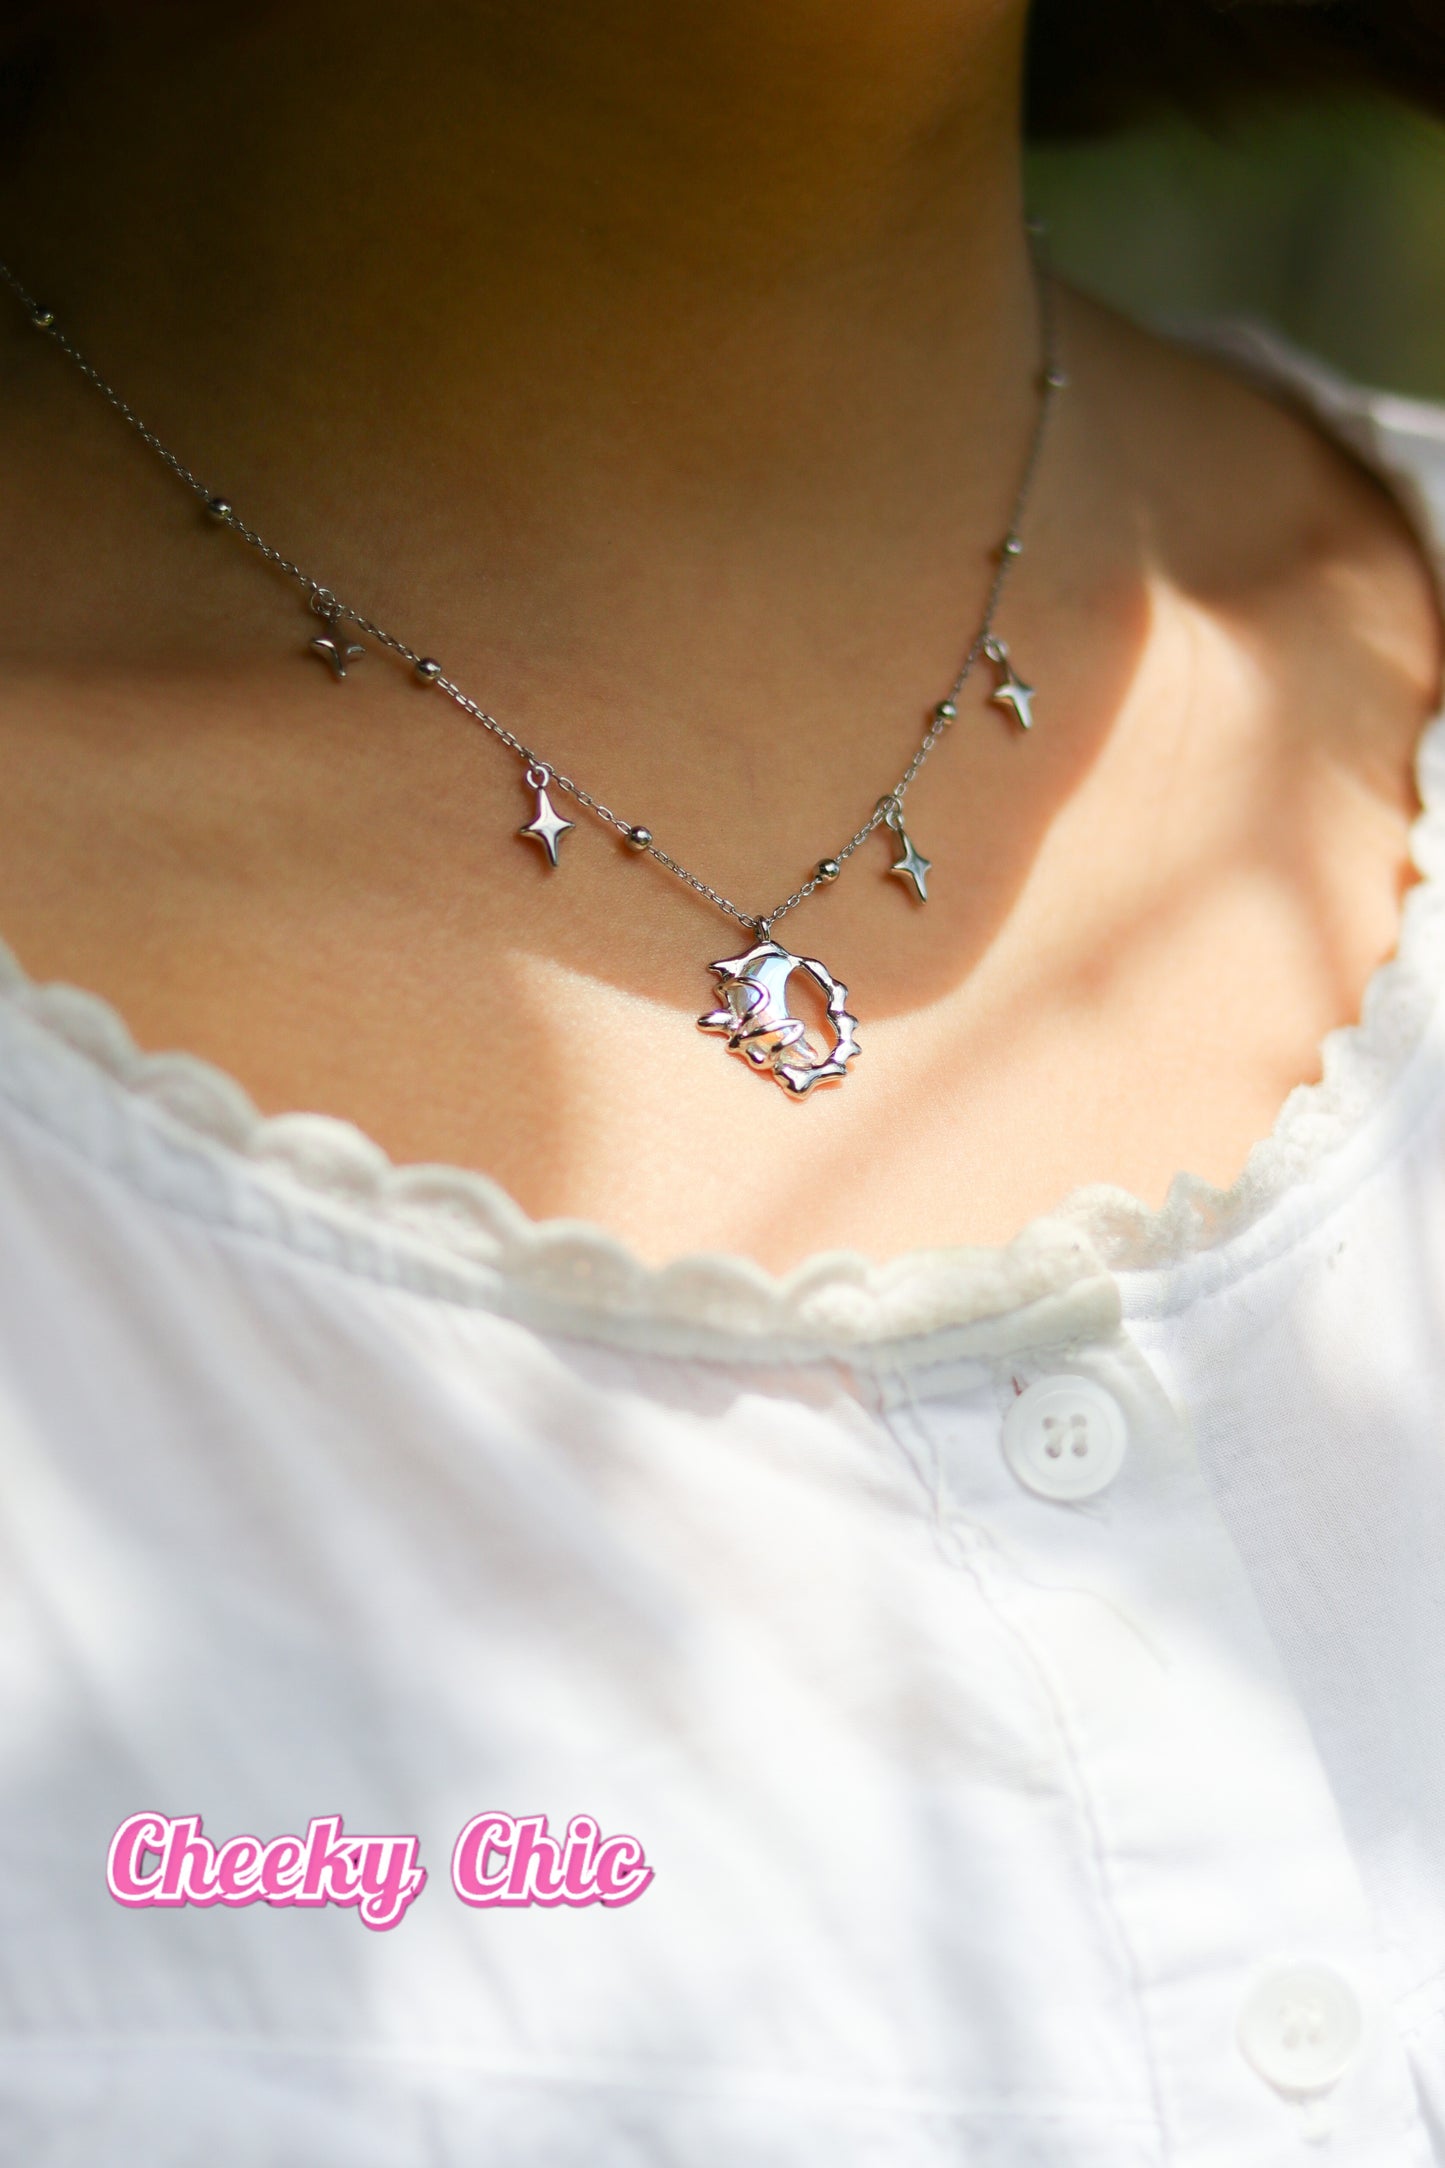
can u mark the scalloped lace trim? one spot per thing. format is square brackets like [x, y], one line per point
[576, 1267]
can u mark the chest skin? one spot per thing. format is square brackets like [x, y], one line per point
[1143, 916]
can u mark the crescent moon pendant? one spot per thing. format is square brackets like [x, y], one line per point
[757, 1023]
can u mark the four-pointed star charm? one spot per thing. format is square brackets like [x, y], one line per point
[1011, 691]
[912, 866]
[546, 825]
[333, 646]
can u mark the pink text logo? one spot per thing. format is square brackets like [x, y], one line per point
[532, 1867]
[162, 1859]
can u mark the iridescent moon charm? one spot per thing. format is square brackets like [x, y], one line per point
[757, 1023]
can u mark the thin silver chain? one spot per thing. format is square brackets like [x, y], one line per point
[327, 604]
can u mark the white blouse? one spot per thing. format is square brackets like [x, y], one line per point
[1020, 1673]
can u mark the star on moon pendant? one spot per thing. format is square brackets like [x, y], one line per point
[757, 1023]
[754, 1016]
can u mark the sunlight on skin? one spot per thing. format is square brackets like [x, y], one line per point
[1154, 963]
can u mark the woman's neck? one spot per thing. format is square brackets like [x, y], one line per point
[522, 287]
[670, 380]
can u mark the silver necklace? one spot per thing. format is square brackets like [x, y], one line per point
[752, 1013]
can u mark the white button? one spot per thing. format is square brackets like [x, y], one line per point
[1300, 2027]
[1065, 1437]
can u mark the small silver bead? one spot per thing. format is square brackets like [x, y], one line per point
[944, 712]
[828, 869]
[638, 839]
[1057, 379]
[220, 508]
[1012, 546]
[428, 669]
[42, 319]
